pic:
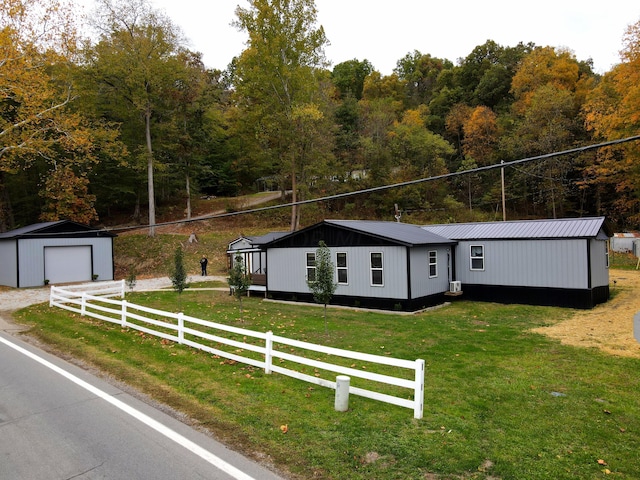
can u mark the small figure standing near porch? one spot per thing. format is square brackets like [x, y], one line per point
[203, 265]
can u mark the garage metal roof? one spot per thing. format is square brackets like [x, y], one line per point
[590, 227]
[54, 229]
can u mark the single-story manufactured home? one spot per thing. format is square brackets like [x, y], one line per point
[400, 266]
[55, 252]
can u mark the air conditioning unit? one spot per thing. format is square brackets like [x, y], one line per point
[455, 287]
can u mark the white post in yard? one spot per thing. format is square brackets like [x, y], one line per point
[123, 315]
[83, 304]
[268, 352]
[418, 396]
[180, 328]
[342, 393]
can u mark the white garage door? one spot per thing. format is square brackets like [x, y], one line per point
[67, 264]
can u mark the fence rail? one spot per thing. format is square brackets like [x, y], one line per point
[95, 300]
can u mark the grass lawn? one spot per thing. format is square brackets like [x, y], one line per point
[500, 401]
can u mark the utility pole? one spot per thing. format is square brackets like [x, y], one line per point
[504, 212]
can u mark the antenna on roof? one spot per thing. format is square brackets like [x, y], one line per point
[397, 212]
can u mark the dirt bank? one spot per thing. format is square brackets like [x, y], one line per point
[608, 327]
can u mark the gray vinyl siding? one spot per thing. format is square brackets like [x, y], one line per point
[8, 270]
[240, 244]
[599, 270]
[532, 263]
[421, 284]
[32, 257]
[286, 271]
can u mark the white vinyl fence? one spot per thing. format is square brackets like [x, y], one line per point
[267, 353]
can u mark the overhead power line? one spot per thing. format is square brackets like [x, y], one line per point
[387, 187]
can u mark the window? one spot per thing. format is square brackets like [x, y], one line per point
[341, 268]
[606, 253]
[433, 264]
[311, 267]
[477, 257]
[376, 269]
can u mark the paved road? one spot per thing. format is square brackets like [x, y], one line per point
[57, 421]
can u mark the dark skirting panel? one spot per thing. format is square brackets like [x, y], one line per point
[555, 297]
[365, 302]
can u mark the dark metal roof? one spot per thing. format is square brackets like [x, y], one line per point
[59, 228]
[403, 233]
[266, 238]
[524, 229]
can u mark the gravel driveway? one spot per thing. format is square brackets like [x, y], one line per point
[16, 299]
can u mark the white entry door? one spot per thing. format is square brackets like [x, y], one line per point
[67, 264]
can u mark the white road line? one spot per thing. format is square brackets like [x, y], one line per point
[159, 427]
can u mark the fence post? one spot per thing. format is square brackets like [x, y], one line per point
[51, 290]
[123, 319]
[122, 288]
[418, 397]
[180, 328]
[342, 393]
[267, 354]
[83, 304]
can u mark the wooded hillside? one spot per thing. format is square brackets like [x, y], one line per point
[100, 130]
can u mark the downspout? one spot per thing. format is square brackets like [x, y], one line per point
[588, 263]
[453, 250]
[409, 296]
[266, 276]
[113, 262]
[17, 263]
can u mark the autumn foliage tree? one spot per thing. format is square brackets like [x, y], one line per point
[278, 81]
[37, 43]
[613, 112]
[66, 197]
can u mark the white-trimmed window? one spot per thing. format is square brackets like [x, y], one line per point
[606, 253]
[477, 257]
[377, 277]
[311, 266]
[433, 264]
[342, 268]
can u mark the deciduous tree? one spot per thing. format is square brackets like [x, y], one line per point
[134, 63]
[613, 112]
[323, 286]
[280, 72]
[37, 91]
[239, 280]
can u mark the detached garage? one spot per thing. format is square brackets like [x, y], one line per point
[60, 252]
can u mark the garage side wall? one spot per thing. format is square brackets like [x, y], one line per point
[9, 262]
[32, 261]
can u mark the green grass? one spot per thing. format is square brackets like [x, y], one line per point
[500, 401]
[624, 261]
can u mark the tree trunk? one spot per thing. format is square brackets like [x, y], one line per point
[136, 210]
[188, 187]
[152, 202]
[294, 199]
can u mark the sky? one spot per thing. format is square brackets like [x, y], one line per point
[383, 32]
